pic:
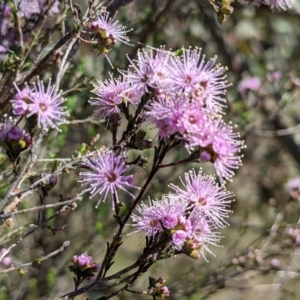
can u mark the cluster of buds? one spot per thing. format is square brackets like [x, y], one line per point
[158, 288]
[83, 266]
[225, 9]
[252, 258]
[107, 32]
[192, 248]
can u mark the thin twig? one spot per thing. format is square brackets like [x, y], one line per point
[41, 207]
[281, 132]
[63, 61]
[39, 259]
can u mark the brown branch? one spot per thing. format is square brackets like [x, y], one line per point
[116, 4]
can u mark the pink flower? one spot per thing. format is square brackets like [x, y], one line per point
[204, 81]
[150, 218]
[191, 231]
[109, 28]
[105, 175]
[205, 196]
[44, 104]
[178, 238]
[141, 75]
[193, 124]
[109, 94]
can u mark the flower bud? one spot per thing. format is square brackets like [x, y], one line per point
[84, 260]
[195, 254]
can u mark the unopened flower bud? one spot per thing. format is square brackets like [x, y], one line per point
[20, 108]
[49, 182]
[195, 254]
[6, 261]
[275, 263]
[74, 259]
[84, 260]
[205, 155]
[161, 280]
[235, 261]
[95, 267]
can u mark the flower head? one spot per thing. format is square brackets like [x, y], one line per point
[159, 214]
[105, 175]
[107, 33]
[203, 81]
[109, 94]
[149, 70]
[218, 141]
[42, 103]
[172, 218]
[108, 28]
[205, 196]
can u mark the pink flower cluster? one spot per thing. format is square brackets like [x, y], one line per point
[188, 218]
[187, 101]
